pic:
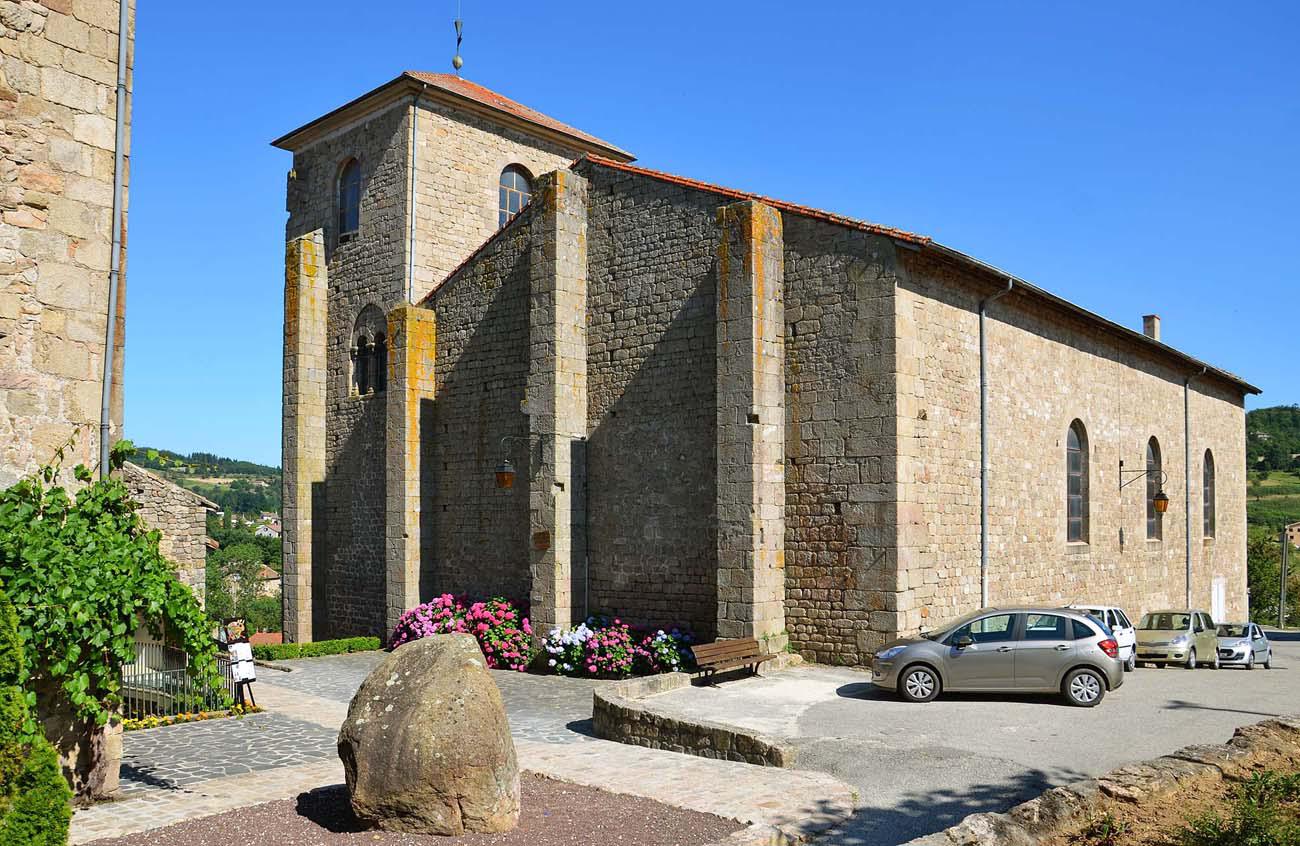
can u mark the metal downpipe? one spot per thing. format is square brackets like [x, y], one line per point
[115, 258]
[984, 446]
[1187, 477]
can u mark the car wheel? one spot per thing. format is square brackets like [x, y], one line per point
[1083, 688]
[919, 684]
[1268, 660]
[1191, 659]
[1131, 664]
[1216, 665]
[1250, 660]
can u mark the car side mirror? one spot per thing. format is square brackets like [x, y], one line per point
[963, 642]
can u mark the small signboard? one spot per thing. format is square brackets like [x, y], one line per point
[234, 634]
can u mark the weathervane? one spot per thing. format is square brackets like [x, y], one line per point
[456, 61]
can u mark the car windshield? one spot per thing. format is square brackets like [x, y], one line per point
[1165, 622]
[1232, 630]
[939, 634]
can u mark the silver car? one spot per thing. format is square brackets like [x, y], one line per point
[1023, 650]
[1244, 644]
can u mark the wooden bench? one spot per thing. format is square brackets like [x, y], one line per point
[728, 655]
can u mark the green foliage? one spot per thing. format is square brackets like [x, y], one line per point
[1265, 812]
[314, 649]
[1104, 830]
[34, 797]
[1264, 576]
[204, 463]
[1272, 437]
[81, 571]
[264, 614]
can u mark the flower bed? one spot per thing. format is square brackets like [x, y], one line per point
[602, 648]
[502, 631]
[238, 711]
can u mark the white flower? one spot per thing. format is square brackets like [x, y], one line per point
[552, 662]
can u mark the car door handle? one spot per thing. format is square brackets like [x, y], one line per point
[1062, 648]
[1005, 648]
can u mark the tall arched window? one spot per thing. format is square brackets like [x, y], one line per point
[1155, 521]
[1076, 483]
[1207, 493]
[350, 197]
[516, 190]
[369, 352]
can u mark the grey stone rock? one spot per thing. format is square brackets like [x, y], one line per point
[426, 746]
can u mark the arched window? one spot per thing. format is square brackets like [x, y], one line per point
[516, 190]
[350, 197]
[1155, 521]
[1207, 493]
[369, 353]
[1076, 483]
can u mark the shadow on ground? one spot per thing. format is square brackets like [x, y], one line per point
[330, 808]
[919, 813]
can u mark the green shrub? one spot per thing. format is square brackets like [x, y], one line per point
[34, 809]
[82, 570]
[1265, 812]
[314, 649]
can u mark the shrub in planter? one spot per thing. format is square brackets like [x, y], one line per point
[440, 615]
[504, 635]
[502, 631]
[664, 652]
[33, 794]
[599, 648]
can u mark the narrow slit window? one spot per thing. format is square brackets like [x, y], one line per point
[1207, 492]
[1155, 520]
[350, 197]
[1076, 483]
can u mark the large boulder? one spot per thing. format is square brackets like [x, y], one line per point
[426, 745]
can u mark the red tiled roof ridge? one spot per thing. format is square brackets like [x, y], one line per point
[783, 205]
[487, 97]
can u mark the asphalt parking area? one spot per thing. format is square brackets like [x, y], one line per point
[921, 768]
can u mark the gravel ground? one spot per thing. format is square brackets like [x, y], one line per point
[555, 813]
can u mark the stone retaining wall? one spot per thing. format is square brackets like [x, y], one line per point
[1064, 809]
[622, 713]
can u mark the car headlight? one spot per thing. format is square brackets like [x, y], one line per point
[891, 652]
[1181, 640]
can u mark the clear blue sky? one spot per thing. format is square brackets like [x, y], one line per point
[1130, 157]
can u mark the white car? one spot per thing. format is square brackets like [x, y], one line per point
[1120, 625]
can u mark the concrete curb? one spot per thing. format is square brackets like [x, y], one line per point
[1063, 808]
[624, 712]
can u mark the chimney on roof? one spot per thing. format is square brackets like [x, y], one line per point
[1151, 326]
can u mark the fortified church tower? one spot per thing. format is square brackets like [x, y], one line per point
[387, 195]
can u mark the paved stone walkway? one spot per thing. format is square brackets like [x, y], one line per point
[184, 755]
[189, 771]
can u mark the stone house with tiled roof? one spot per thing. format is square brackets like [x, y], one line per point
[717, 410]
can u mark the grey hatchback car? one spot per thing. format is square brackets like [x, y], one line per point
[1022, 650]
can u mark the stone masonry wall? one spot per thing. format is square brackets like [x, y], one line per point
[841, 510]
[458, 168]
[365, 269]
[1046, 370]
[180, 516]
[58, 76]
[479, 533]
[651, 460]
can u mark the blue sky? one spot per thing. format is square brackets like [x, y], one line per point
[1132, 158]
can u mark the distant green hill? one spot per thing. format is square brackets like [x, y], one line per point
[242, 487]
[1272, 437]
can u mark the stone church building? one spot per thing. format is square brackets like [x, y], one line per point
[717, 410]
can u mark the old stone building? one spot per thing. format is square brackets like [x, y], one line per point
[180, 516]
[58, 111]
[721, 411]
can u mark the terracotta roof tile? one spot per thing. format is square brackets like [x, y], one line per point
[793, 208]
[473, 91]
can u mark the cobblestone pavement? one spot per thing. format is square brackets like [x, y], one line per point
[184, 755]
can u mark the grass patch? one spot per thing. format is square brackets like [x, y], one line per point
[315, 648]
[1265, 811]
